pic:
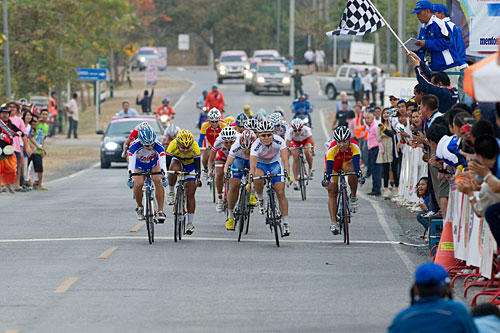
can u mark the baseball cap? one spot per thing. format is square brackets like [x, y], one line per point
[431, 273]
[438, 7]
[393, 97]
[402, 100]
[422, 5]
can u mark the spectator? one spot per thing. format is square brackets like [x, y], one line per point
[438, 85]
[341, 115]
[165, 108]
[357, 87]
[309, 57]
[432, 308]
[366, 105]
[416, 122]
[375, 78]
[361, 134]
[377, 115]
[8, 159]
[343, 99]
[20, 142]
[215, 99]
[289, 63]
[394, 101]
[401, 105]
[374, 146]
[27, 119]
[38, 140]
[53, 113]
[146, 101]
[319, 56]
[385, 156]
[72, 108]
[381, 86]
[419, 93]
[297, 83]
[486, 316]
[424, 201]
[487, 111]
[126, 111]
[367, 83]
[351, 119]
[410, 106]
[435, 40]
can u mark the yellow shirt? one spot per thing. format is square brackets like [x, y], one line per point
[174, 151]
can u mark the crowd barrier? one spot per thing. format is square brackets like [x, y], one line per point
[472, 239]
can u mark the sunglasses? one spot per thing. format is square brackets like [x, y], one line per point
[183, 147]
[148, 146]
[266, 135]
[214, 122]
[297, 130]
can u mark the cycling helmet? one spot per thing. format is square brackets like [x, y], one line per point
[172, 131]
[204, 92]
[266, 126]
[259, 116]
[185, 138]
[247, 138]
[263, 112]
[146, 135]
[165, 100]
[142, 125]
[251, 124]
[246, 107]
[341, 133]
[241, 119]
[275, 118]
[279, 110]
[228, 134]
[214, 114]
[297, 123]
[228, 120]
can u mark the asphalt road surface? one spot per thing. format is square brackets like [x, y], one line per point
[52, 279]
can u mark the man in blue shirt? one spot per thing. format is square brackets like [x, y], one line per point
[432, 308]
[357, 87]
[435, 41]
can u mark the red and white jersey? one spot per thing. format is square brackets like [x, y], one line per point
[219, 145]
[268, 154]
[304, 134]
[237, 151]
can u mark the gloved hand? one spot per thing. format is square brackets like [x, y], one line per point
[130, 182]
[164, 180]
[198, 181]
[326, 181]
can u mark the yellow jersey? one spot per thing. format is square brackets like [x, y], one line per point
[174, 151]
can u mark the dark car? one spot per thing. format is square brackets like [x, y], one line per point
[117, 132]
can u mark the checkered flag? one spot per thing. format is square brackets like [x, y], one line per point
[359, 18]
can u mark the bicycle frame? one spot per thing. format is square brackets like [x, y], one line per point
[343, 203]
[303, 180]
[180, 211]
[242, 208]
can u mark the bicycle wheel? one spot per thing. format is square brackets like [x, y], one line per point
[182, 219]
[302, 179]
[346, 216]
[149, 216]
[177, 214]
[241, 212]
[273, 217]
[247, 213]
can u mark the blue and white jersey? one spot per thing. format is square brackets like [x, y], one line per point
[458, 41]
[283, 128]
[144, 159]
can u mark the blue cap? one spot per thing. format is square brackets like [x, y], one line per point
[422, 5]
[431, 273]
[440, 8]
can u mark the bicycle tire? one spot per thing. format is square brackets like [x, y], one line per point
[241, 212]
[176, 215]
[302, 180]
[149, 217]
[247, 214]
[182, 221]
[274, 220]
[346, 216]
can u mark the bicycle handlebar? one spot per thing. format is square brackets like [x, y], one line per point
[182, 173]
[146, 173]
[269, 176]
[303, 147]
[345, 174]
[239, 170]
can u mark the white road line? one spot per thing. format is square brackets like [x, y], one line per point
[323, 124]
[183, 95]
[390, 235]
[215, 239]
[73, 174]
[320, 92]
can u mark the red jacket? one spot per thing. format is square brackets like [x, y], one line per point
[215, 102]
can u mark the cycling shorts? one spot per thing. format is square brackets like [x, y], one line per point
[273, 168]
[240, 164]
[220, 155]
[296, 144]
[186, 167]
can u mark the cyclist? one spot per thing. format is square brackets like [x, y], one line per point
[239, 158]
[268, 153]
[218, 154]
[343, 155]
[229, 120]
[208, 134]
[239, 122]
[169, 135]
[200, 104]
[301, 109]
[252, 124]
[147, 154]
[280, 126]
[132, 137]
[299, 136]
[165, 109]
[247, 111]
[183, 154]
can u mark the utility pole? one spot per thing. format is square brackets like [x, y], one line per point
[291, 31]
[278, 26]
[59, 98]
[6, 49]
[401, 34]
[388, 40]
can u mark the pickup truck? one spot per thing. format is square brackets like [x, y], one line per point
[333, 85]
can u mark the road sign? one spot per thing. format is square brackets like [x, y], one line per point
[183, 42]
[151, 74]
[103, 62]
[130, 49]
[91, 74]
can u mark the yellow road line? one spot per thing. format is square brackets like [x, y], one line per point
[107, 253]
[63, 287]
[12, 331]
[137, 226]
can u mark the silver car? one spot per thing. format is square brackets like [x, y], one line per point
[231, 65]
[271, 77]
[333, 85]
[249, 74]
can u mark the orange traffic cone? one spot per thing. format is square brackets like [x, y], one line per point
[445, 255]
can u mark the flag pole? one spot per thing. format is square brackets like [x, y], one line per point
[388, 26]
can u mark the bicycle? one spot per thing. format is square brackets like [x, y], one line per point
[303, 177]
[343, 203]
[242, 210]
[150, 200]
[273, 214]
[227, 176]
[180, 212]
[211, 184]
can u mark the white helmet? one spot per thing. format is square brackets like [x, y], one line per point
[259, 117]
[266, 126]
[276, 118]
[172, 131]
[252, 124]
[341, 133]
[214, 115]
[297, 123]
[228, 134]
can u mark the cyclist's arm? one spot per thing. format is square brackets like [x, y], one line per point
[168, 160]
[200, 140]
[311, 139]
[288, 143]
[355, 163]
[228, 164]
[253, 164]
[126, 144]
[284, 159]
[329, 168]
[197, 166]
[131, 162]
[211, 158]
[163, 162]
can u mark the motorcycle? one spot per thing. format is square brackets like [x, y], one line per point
[203, 116]
[165, 121]
[303, 114]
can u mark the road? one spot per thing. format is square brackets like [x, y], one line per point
[53, 281]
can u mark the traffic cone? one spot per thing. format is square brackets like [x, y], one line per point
[445, 255]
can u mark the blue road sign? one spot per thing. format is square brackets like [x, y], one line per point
[91, 74]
